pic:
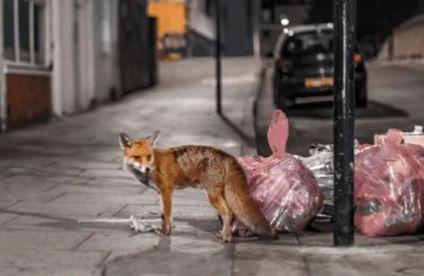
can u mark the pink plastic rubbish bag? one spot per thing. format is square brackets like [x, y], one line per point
[389, 187]
[284, 189]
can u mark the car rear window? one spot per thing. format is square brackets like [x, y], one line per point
[308, 43]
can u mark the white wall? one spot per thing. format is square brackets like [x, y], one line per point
[105, 22]
[84, 53]
[63, 76]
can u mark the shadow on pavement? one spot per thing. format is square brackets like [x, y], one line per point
[174, 257]
[324, 110]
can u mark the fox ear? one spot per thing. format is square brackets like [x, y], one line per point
[154, 138]
[124, 141]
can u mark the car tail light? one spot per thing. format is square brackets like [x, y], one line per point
[284, 64]
[358, 58]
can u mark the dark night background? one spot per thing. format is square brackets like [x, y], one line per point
[375, 18]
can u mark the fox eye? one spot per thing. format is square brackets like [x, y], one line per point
[149, 157]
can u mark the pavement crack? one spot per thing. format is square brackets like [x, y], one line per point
[101, 263]
[83, 241]
[9, 220]
[56, 197]
[119, 210]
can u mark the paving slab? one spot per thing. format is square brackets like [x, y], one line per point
[65, 209]
[28, 195]
[97, 189]
[366, 264]
[106, 198]
[178, 212]
[109, 173]
[7, 203]
[78, 223]
[123, 241]
[175, 256]
[24, 239]
[6, 217]
[50, 262]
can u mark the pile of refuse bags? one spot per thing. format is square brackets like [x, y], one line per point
[292, 190]
[389, 184]
[285, 190]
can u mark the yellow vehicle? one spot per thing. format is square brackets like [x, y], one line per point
[171, 27]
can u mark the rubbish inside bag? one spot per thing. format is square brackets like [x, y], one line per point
[320, 162]
[285, 190]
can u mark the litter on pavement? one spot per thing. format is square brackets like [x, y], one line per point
[138, 225]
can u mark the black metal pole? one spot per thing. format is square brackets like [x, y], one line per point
[218, 57]
[344, 121]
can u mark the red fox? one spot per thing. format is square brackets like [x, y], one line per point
[195, 166]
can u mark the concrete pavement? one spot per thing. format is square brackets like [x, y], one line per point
[58, 180]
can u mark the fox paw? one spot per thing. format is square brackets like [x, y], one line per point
[164, 231]
[227, 239]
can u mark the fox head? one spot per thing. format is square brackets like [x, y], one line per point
[138, 154]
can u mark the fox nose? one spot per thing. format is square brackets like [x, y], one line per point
[147, 169]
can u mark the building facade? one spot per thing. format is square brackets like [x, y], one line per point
[56, 58]
[238, 19]
[63, 57]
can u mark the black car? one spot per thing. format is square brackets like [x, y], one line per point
[304, 66]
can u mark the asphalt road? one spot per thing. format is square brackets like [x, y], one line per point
[396, 95]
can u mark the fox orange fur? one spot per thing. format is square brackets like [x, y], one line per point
[195, 166]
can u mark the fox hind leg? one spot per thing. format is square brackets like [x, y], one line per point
[218, 202]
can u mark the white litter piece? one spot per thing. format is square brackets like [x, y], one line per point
[143, 226]
[138, 225]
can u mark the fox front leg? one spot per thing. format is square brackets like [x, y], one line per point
[166, 196]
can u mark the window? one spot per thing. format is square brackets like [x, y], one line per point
[309, 43]
[23, 31]
[9, 26]
[38, 34]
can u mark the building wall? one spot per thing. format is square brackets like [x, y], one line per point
[28, 99]
[64, 94]
[81, 65]
[201, 23]
[105, 55]
[237, 27]
[26, 82]
[84, 56]
[407, 41]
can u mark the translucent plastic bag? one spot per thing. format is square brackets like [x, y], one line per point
[389, 187]
[284, 189]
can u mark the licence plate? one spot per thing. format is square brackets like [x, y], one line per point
[318, 82]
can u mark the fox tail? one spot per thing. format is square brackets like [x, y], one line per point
[238, 199]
